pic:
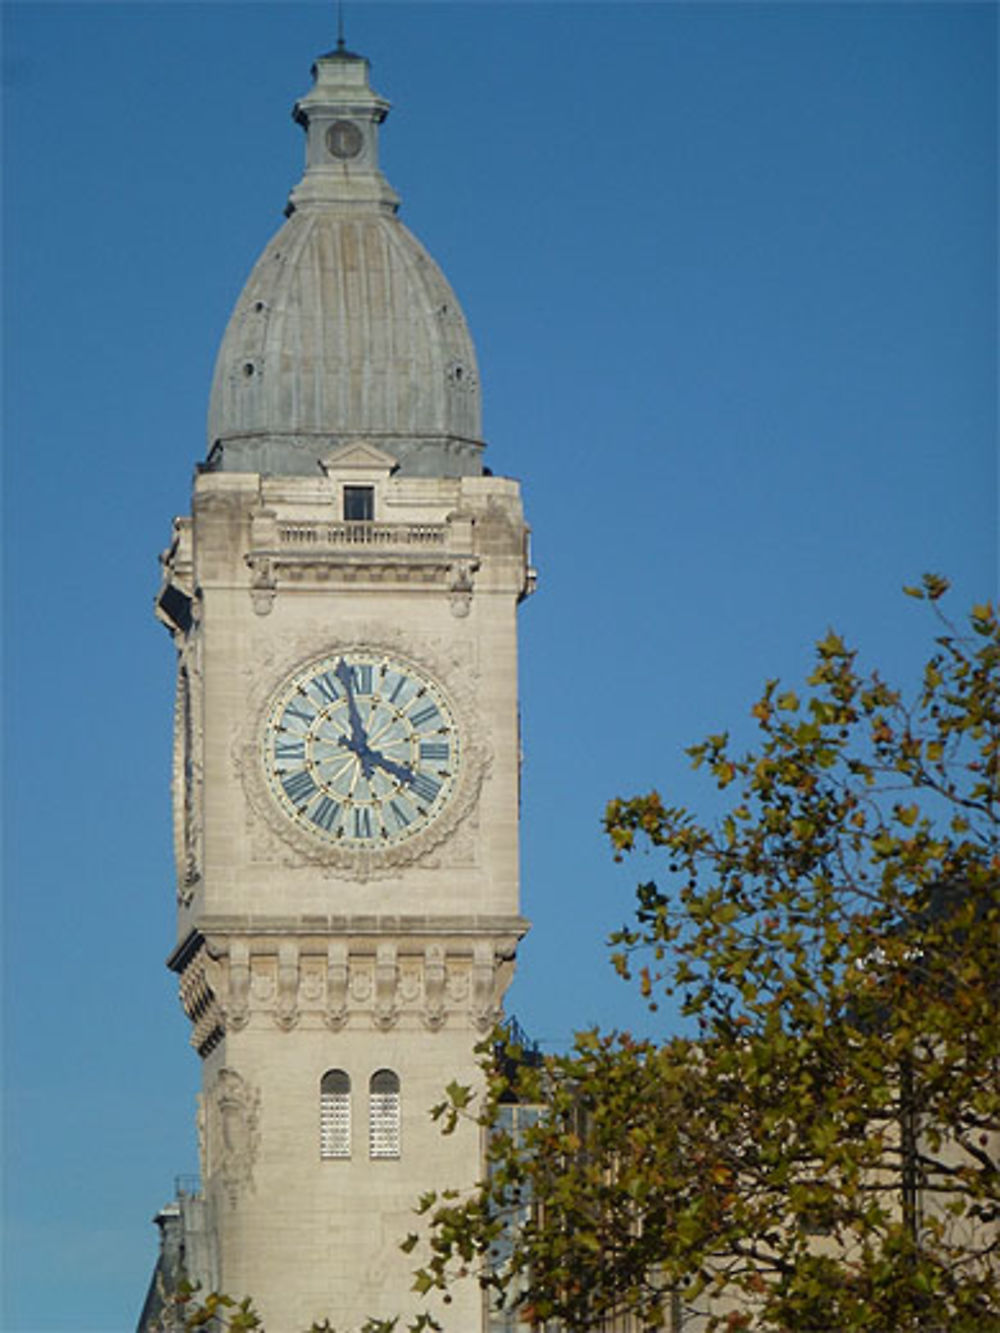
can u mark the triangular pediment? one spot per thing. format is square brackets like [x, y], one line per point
[358, 456]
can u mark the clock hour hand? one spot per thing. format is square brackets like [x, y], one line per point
[400, 771]
[366, 758]
[360, 749]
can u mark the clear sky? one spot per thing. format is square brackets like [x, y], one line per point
[731, 270]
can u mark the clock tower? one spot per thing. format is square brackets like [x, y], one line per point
[343, 603]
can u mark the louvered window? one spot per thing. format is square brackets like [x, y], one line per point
[335, 1115]
[383, 1114]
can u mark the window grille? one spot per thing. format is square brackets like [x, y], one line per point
[335, 1115]
[383, 1114]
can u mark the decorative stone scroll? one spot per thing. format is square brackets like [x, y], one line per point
[238, 998]
[336, 985]
[263, 584]
[435, 974]
[386, 982]
[460, 586]
[485, 1001]
[286, 1009]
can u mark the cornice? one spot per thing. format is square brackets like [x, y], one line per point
[357, 925]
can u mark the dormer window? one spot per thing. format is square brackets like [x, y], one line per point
[359, 504]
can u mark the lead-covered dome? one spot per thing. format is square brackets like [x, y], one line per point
[346, 329]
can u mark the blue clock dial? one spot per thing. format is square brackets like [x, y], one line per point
[361, 749]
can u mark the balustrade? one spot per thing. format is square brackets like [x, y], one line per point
[323, 535]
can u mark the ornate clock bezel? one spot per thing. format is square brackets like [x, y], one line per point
[359, 861]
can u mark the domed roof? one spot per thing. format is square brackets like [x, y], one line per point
[346, 329]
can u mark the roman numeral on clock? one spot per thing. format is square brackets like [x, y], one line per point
[362, 679]
[424, 714]
[298, 786]
[435, 750]
[363, 822]
[425, 787]
[289, 749]
[325, 813]
[327, 687]
[402, 817]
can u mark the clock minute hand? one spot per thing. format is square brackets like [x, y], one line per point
[358, 742]
[359, 738]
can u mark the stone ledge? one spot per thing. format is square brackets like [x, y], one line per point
[345, 926]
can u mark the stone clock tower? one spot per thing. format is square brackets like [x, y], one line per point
[343, 602]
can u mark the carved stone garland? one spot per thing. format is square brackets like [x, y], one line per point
[232, 1132]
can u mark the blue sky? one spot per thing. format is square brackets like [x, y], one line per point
[731, 271]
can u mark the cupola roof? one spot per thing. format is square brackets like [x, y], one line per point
[346, 328]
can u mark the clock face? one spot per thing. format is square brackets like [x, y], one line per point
[361, 749]
[344, 139]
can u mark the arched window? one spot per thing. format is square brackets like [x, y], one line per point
[383, 1114]
[335, 1114]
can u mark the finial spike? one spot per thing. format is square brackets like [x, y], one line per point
[340, 26]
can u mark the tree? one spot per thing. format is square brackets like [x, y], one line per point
[818, 1150]
[185, 1310]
